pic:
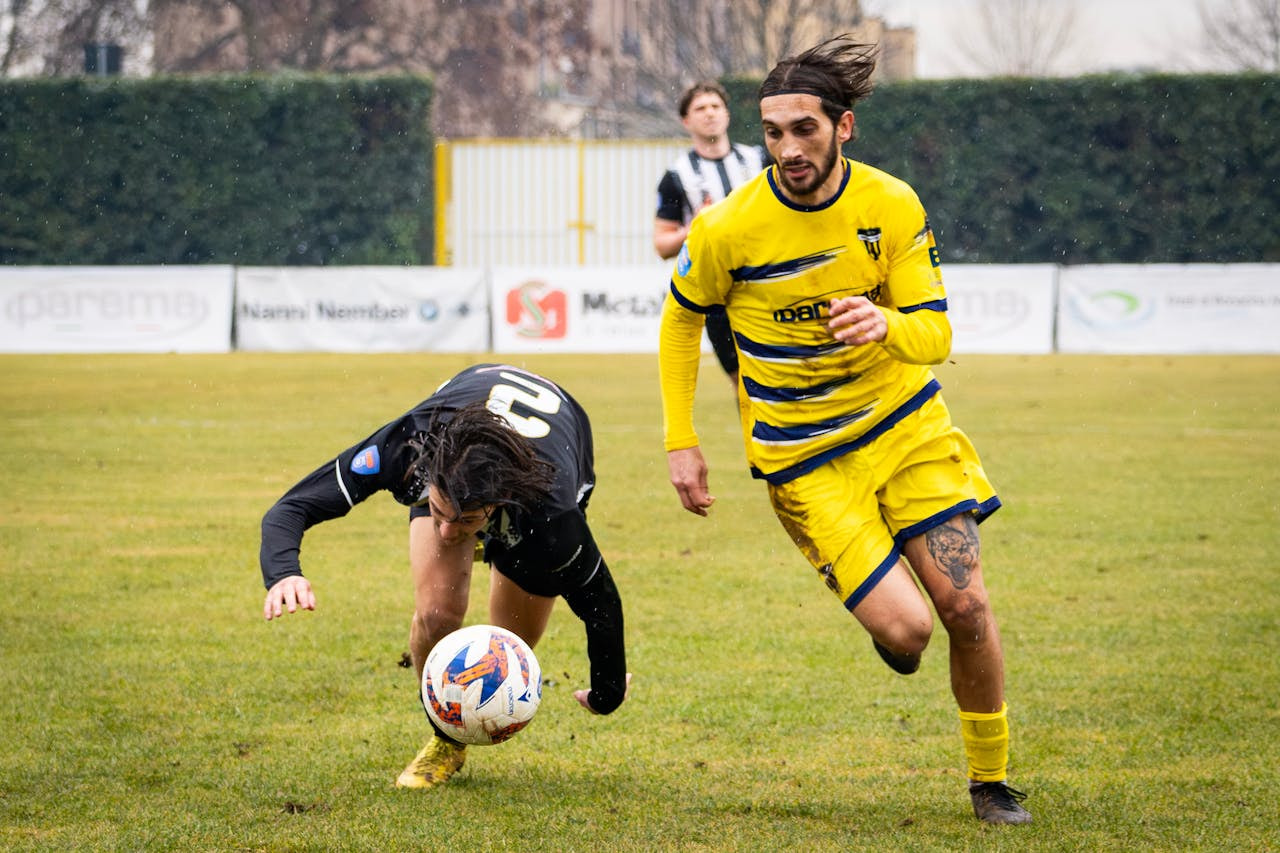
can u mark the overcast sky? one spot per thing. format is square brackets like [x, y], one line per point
[1111, 34]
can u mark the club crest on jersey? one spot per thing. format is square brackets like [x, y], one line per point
[367, 461]
[870, 238]
[683, 261]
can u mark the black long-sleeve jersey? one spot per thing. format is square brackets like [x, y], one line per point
[547, 550]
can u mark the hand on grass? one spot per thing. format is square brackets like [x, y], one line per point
[288, 594]
[581, 696]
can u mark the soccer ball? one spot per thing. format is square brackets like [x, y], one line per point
[481, 684]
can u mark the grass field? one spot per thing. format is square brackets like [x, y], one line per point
[145, 704]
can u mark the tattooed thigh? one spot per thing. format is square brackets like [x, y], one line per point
[954, 548]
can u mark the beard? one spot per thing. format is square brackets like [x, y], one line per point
[821, 172]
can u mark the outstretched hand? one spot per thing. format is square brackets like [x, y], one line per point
[288, 594]
[581, 696]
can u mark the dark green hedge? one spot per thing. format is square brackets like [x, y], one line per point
[1099, 169]
[239, 170]
[338, 169]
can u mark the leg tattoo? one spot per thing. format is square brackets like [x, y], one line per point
[954, 547]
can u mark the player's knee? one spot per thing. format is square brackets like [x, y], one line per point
[902, 649]
[907, 638]
[965, 616]
[915, 639]
[435, 622]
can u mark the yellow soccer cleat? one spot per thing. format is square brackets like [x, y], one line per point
[433, 765]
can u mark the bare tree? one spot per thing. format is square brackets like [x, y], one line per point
[48, 37]
[265, 35]
[502, 67]
[780, 28]
[1242, 34]
[684, 41]
[495, 63]
[12, 37]
[717, 37]
[1021, 38]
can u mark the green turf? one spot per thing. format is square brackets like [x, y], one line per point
[145, 704]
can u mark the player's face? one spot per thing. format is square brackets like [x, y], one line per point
[454, 526]
[707, 116]
[805, 144]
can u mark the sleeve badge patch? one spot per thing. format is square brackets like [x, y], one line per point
[367, 461]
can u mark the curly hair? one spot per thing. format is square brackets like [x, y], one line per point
[476, 459]
[838, 71]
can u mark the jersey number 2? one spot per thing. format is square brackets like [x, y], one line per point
[531, 395]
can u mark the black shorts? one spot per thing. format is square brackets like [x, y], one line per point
[555, 557]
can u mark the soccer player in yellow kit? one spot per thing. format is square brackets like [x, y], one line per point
[829, 273]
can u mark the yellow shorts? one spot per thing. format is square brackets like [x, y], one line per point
[851, 515]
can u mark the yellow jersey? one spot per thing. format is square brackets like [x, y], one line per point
[775, 266]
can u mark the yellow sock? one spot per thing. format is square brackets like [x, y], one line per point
[986, 744]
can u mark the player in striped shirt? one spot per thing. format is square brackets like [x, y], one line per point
[829, 274]
[706, 173]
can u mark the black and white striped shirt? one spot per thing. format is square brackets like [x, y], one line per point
[692, 182]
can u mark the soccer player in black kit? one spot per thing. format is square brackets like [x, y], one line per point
[497, 457]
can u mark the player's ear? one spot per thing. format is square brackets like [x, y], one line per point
[844, 127]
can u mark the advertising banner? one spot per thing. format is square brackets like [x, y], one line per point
[578, 309]
[1001, 308]
[115, 309]
[362, 309]
[1170, 308]
[993, 309]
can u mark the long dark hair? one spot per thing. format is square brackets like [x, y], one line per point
[476, 459]
[838, 71]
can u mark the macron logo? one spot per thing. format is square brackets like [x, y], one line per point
[367, 461]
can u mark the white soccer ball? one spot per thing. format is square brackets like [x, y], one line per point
[481, 684]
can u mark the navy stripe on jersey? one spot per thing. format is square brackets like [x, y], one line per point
[803, 432]
[770, 352]
[692, 306]
[935, 305]
[786, 269]
[804, 466]
[756, 391]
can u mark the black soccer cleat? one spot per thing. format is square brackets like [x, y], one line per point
[903, 664]
[996, 802]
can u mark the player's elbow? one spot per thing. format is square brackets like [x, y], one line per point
[941, 345]
[942, 341]
[920, 337]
